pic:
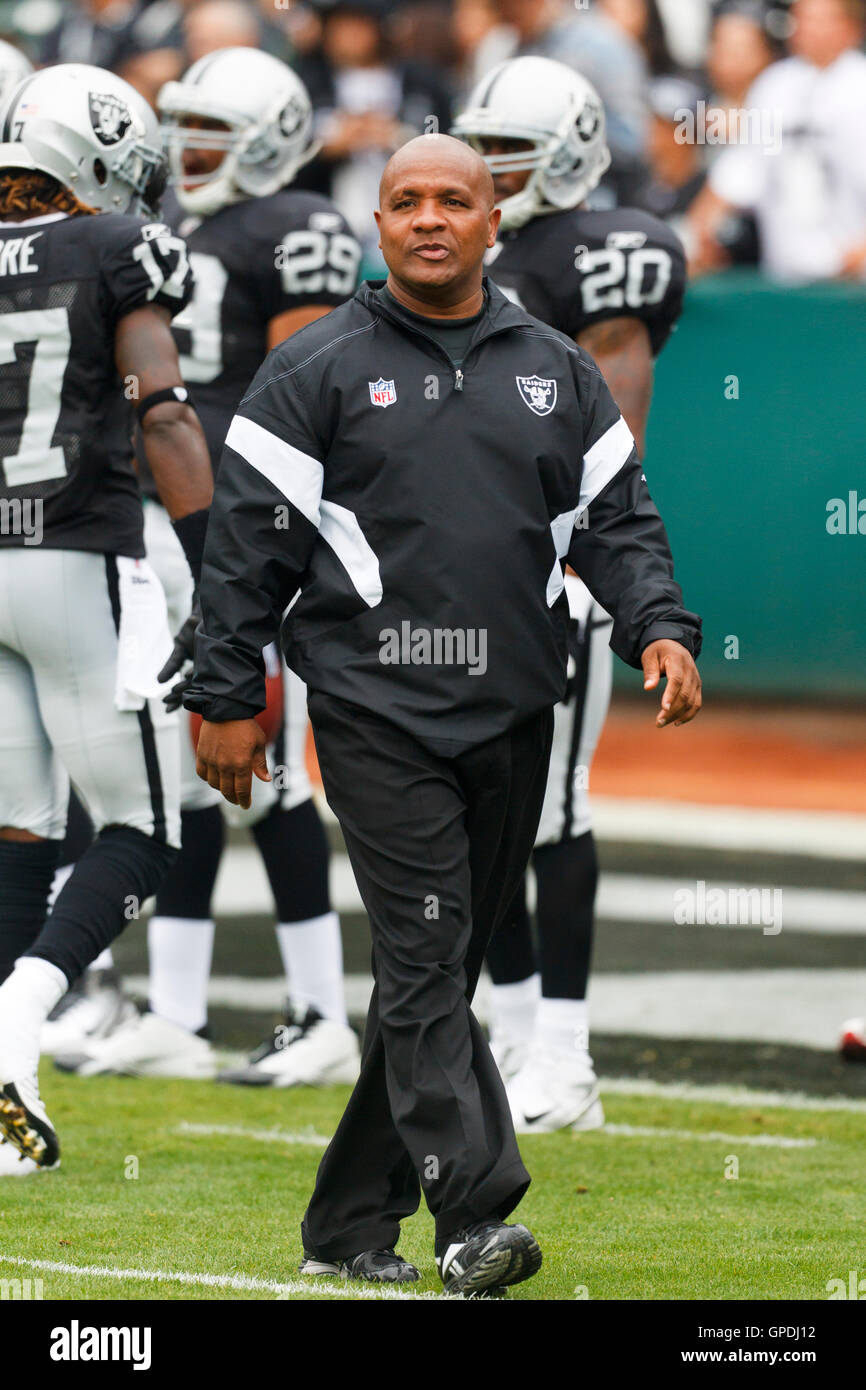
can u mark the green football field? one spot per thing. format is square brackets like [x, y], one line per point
[188, 1190]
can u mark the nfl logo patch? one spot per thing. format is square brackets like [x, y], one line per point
[538, 392]
[382, 392]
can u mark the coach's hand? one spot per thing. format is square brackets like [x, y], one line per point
[228, 754]
[682, 694]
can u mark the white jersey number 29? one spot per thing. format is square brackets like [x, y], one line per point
[36, 460]
[614, 279]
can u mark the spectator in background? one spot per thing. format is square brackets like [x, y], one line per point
[642, 21]
[170, 35]
[606, 56]
[91, 31]
[741, 46]
[366, 102]
[804, 173]
[678, 170]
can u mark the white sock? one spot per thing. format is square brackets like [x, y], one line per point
[513, 1008]
[562, 1025]
[26, 999]
[180, 950]
[312, 953]
[104, 961]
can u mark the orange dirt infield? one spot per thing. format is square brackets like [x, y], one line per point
[780, 756]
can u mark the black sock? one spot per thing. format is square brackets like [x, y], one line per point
[187, 888]
[294, 848]
[26, 872]
[567, 878]
[105, 891]
[511, 953]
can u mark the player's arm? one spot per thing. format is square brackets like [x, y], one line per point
[282, 326]
[173, 439]
[622, 351]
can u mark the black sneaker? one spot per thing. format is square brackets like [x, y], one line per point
[488, 1256]
[25, 1125]
[376, 1266]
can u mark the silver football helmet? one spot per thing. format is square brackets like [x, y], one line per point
[269, 117]
[559, 113]
[91, 131]
[14, 67]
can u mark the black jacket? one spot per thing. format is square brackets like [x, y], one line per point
[426, 515]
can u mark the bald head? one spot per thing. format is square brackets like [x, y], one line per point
[440, 157]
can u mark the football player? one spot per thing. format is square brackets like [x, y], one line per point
[14, 67]
[85, 334]
[613, 281]
[267, 260]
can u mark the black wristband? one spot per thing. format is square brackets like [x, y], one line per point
[190, 531]
[179, 394]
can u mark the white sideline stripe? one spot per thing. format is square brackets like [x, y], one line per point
[242, 887]
[604, 460]
[241, 1282]
[340, 529]
[710, 1136]
[261, 1136]
[721, 1094]
[298, 476]
[561, 528]
[801, 1007]
[819, 834]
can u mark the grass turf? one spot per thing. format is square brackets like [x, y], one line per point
[618, 1216]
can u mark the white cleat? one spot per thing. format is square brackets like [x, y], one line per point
[145, 1046]
[13, 1164]
[555, 1091]
[308, 1051]
[94, 1009]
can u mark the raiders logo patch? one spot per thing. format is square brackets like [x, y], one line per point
[110, 118]
[538, 392]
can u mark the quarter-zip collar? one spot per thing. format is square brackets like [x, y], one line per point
[498, 315]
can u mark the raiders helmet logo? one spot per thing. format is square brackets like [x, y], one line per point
[291, 118]
[538, 392]
[110, 118]
[588, 122]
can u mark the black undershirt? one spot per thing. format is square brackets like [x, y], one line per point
[452, 335]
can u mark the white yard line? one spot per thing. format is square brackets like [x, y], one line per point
[710, 1136]
[727, 1095]
[713, 1136]
[261, 1136]
[243, 1283]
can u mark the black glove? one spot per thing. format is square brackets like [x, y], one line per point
[181, 653]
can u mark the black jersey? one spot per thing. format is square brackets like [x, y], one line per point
[252, 261]
[576, 268]
[65, 415]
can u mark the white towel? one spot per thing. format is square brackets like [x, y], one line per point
[144, 641]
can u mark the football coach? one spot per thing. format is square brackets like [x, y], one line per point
[420, 464]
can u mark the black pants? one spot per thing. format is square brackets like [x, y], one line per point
[438, 846]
